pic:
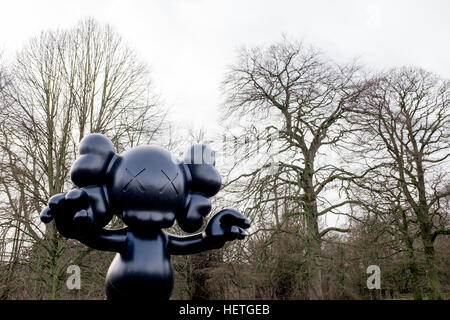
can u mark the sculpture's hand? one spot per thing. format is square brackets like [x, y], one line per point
[70, 212]
[226, 225]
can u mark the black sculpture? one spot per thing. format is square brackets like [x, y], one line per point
[148, 189]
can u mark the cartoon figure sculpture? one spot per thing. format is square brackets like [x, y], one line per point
[148, 189]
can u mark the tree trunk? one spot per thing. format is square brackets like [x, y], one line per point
[313, 247]
[412, 265]
[313, 243]
[432, 270]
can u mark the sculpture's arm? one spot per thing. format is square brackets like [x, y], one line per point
[224, 226]
[107, 240]
[81, 214]
[179, 245]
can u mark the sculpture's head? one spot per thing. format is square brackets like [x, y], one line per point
[146, 186]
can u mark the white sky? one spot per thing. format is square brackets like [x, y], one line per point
[189, 43]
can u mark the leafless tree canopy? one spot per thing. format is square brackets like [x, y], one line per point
[296, 103]
[65, 84]
[405, 143]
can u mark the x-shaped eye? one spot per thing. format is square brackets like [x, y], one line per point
[169, 182]
[133, 178]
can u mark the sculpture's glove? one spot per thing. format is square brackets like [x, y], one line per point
[71, 213]
[226, 225]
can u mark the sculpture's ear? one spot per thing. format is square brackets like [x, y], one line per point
[96, 151]
[200, 161]
[204, 182]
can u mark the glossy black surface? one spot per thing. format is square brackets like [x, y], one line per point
[149, 189]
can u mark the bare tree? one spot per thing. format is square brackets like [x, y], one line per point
[405, 141]
[291, 105]
[64, 85]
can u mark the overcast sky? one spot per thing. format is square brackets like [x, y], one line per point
[189, 43]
